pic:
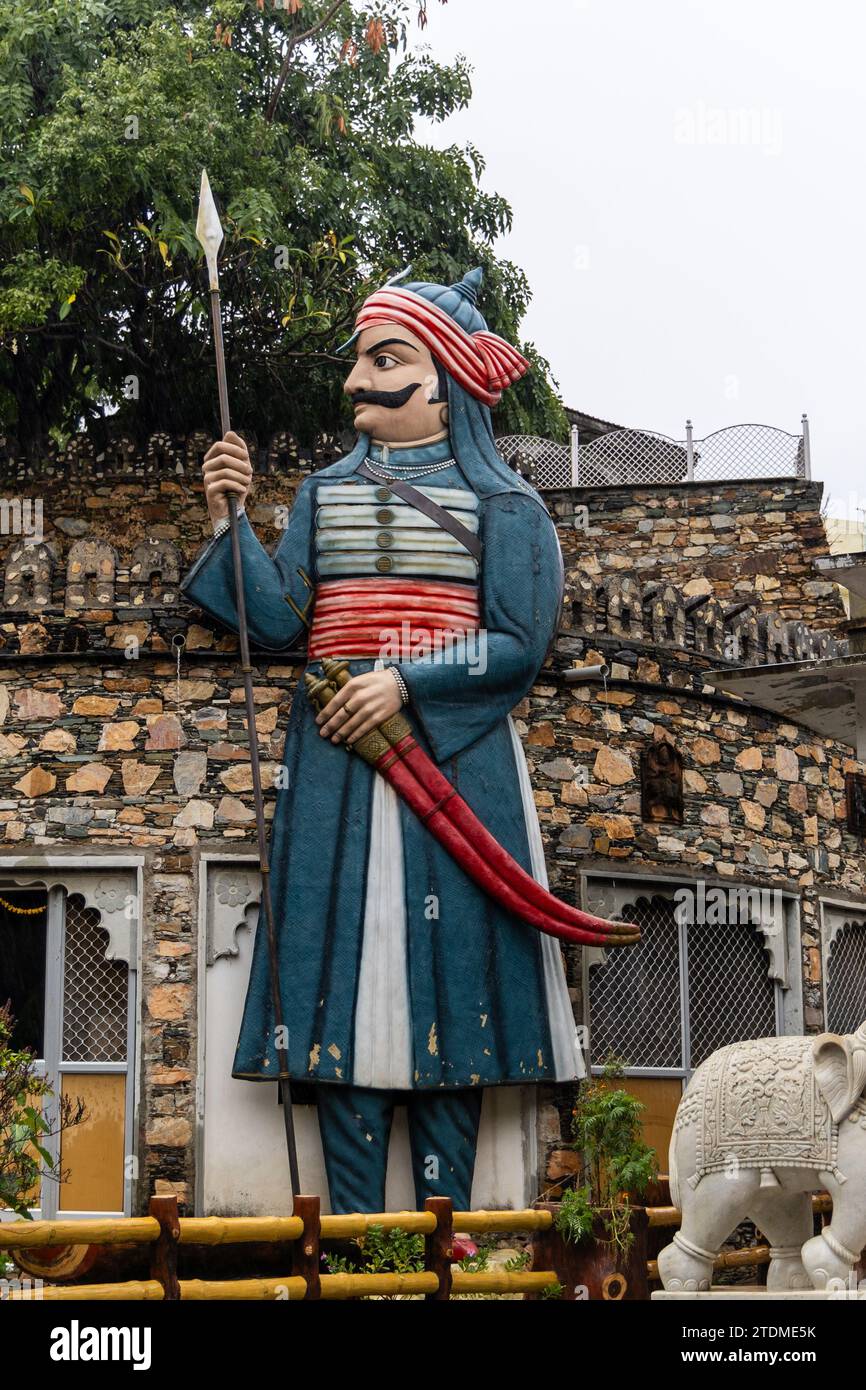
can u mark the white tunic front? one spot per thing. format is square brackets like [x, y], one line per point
[383, 1023]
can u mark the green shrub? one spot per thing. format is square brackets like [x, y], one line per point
[617, 1164]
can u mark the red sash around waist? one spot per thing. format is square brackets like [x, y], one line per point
[390, 617]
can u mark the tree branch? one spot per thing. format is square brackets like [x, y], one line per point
[293, 44]
[122, 349]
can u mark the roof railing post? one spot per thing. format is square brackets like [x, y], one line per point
[575, 455]
[690, 453]
[807, 449]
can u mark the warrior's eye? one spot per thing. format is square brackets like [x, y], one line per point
[384, 360]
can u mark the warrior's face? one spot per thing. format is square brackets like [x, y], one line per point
[394, 386]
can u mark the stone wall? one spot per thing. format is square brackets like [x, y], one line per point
[744, 540]
[122, 722]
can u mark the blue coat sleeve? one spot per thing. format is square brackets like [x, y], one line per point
[275, 590]
[460, 693]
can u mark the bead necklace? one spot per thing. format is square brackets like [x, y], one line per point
[407, 471]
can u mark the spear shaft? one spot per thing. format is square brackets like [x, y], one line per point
[209, 233]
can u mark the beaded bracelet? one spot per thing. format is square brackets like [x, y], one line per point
[401, 684]
[222, 526]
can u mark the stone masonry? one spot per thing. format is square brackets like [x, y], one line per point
[122, 721]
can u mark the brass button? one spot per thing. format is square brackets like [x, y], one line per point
[384, 564]
[385, 516]
[383, 495]
[384, 540]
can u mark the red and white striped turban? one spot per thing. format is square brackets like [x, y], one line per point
[482, 362]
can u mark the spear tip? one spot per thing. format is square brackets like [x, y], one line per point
[208, 229]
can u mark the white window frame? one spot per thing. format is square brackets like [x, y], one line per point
[113, 886]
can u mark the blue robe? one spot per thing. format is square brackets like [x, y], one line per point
[476, 975]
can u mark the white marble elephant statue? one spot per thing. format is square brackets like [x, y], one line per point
[760, 1127]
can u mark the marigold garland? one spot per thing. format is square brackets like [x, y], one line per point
[22, 911]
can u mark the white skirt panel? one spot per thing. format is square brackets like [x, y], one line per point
[383, 1024]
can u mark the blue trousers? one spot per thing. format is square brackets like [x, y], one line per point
[355, 1126]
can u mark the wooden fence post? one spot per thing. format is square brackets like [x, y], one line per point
[439, 1247]
[163, 1252]
[306, 1255]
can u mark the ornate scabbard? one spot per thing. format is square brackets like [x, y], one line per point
[393, 751]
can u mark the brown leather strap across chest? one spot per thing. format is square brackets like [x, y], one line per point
[431, 509]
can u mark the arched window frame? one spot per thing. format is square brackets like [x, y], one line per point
[607, 895]
[837, 917]
[112, 886]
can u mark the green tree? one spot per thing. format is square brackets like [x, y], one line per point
[303, 112]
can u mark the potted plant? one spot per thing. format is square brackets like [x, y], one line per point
[598, 1241]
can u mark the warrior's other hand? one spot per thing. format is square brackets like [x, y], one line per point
[226, 468]
[362, 703]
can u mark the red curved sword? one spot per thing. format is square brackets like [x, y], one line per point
[393, 751]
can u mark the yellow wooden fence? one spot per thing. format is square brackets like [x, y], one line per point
[164, 1231]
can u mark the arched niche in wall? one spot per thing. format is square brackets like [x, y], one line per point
[743, 638]
[775, 637]
[91, 569]
[28, 577]
[668, 617]
[661, 783]
[579, 613]
[623, 600]
[162, 455]
[154, 574]
[709, 621]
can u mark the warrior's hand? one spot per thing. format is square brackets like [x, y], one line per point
[226, 468]
[363, 702]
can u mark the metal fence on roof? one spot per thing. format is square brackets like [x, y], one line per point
[630, 457]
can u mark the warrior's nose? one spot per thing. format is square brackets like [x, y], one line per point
[357, 380]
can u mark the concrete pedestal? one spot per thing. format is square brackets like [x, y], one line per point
[739, 1293]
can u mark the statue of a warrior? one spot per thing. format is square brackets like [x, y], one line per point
[429, 575]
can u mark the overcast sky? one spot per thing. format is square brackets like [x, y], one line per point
[687, 180]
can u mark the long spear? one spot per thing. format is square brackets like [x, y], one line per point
[210, 233]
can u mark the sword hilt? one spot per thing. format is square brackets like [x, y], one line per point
[320, 691]
[337, 672]
[393, 729]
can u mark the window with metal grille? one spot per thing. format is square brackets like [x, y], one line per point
[95, 990]
[846, 979]
[667, 1003]
[634, 999]
[731, 996]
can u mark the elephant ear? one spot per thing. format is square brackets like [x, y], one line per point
[840, 1071]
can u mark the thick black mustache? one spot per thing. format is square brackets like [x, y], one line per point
[391, 400]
